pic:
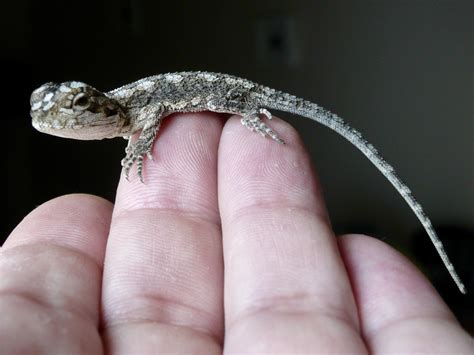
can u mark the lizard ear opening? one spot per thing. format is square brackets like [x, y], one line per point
[81, 101]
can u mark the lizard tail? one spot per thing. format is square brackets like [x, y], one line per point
[292, 104]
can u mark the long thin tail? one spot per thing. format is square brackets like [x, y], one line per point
[292, 104]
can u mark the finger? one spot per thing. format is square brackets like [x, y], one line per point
[163, 269]
[286, 288]
[400, 311]
[50, 278]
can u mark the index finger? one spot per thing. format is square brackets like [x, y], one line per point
[162, 290]
[284, 277]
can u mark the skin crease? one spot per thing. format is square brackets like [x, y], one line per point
[79, 275]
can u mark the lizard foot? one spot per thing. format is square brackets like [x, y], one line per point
[135, 153]
[253, 122]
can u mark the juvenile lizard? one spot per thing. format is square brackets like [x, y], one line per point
[77, 110]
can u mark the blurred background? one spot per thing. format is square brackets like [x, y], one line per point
[399, 71]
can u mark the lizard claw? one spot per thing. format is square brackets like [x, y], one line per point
[135, 153]
[254, 123]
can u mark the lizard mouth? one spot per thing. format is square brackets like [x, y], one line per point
[71, 128]
[55, 125]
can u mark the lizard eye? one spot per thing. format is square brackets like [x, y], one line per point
[81, 102]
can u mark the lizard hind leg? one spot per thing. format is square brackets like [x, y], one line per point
[253, 122]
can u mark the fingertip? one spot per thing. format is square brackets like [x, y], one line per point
[253, 168]
[78, 221]
[183, 166]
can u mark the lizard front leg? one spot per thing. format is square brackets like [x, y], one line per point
[136, 151]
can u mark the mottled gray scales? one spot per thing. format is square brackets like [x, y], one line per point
[77, 110]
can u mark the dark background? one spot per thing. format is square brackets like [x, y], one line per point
[399, 71]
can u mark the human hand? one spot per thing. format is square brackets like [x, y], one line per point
[227, 246]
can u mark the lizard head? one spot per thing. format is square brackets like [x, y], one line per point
[76, 110]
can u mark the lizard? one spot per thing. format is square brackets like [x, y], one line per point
[76, 110]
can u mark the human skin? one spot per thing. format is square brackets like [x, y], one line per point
[226, 247]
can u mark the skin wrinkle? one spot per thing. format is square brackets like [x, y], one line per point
[166, 316]
[432, 337]
[49, 307]
[53, 243]
[409, 319]
[248, 210]
[58, 249]
[151, 229]
[385, 320]
[292, 306]
[170, 194]
[169, 333]
[195, 216]
[51, 324]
